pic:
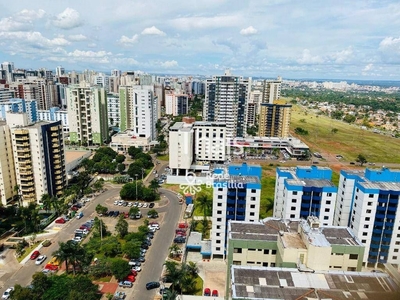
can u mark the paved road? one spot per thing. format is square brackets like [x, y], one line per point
[155, 256]
[23, 275]
[158, 251]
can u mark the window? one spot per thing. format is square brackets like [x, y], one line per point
[368, 211]
[329, 194]
[220, 189]
[250, 262]
[252, 206]
[292, 216]
[365, 233]
[326, 217]
[328, 202]
[273, 252]
[219, 196]
[353, 256]
[363, 241]
[265, 264]
[253, 191]
[218, 241]
[326, 209]
[266, 251]
[367, 218]
[219, 212]
[396, 250]
[251, 249]
[294, 200]
[394, 257]
[218, 226]
[218, 249]
[219, 219]
[218, 234]
[294, 193]
[369, 203]
[219, 203]
[366, 226]
[370, 195]
[252, 214]
[293, 208]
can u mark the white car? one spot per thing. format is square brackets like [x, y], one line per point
[77, 239]
[136, 268]
[130, 204]
[120, 203]
[40, 259]
[7, 292]
[145, 205]
[155, 226]
[116, 202]
[140, 204]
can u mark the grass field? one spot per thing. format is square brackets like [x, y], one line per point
[349, 141]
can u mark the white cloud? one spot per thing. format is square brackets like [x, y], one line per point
[188, 23]
[343, 56]
[169, 64]
[390, 49]
[77, 37]
[126, 40]
[308, 59]
[34, 39]
[368, 67]
[10, 24]
[79, 53]
[248, 31]
[153, 30]
[92, 45]
[30, 15]
[68, 19]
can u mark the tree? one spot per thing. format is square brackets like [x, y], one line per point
[173, 250]
[22, 293]
[121, 168]
[134, 210]
[100, 209]
[99, 228]
[72, 253]
[111, 246]
[122, 226]
[133, 151]
[98, 185]
[132, 249]
[173, 274]
[154, 185]
[41, 283]
[192, 269]
[120, 268]
[120, 158]
[204, 202]
[361, 159]
[204, 226]
[334, 130]
[46, 201]
[62, 254]
[152, 213]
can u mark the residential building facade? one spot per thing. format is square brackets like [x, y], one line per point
[274, 120]
[87, 114]
[305, 191]
[176, 103]
[236, 196]
[226, 99]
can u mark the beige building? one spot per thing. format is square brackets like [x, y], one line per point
[38, 154]
[274, 120]
[7, 174]
[123, 140]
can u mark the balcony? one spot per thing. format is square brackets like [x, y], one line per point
[57, 161]
[55, 134]
[57, 172]
[58, 177]
[56, 156]
[27, 178]
[25, 172]
[27, 190]
[54, 128]
[54, 140]
[59, 182]
[23, 150]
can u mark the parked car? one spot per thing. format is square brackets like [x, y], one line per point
[116, 213]
[179, 240]
[137, 268]
[35, 255]
[145, 205]
[214, 293]
[141, 259]
[135, 204]
[125, 284]
[40, 259]
[207, 292]
[60, 221]
[130, 277]
[125, 204]
[134, 262]
[7, 293]
[110, 213]
[144, 246]
[116, 202]
[151, 205]
[140, 205]
[152, 285]
[77, 239]
[183, 225]
[130, 204]
[80, 215]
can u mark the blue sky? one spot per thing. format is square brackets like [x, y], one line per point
[344, 39]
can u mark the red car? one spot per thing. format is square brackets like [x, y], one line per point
[183, 225]
[35, 255]
[214, 293]
[133, 272]
[60, 221]
[126, 215]
[207, 292]
[130, 278]
[51, 267]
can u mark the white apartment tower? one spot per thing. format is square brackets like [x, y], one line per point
[210, 142]
[181, 148]
[87, 114]
[176, 103]
[138, 110]
[7, 173]
[226, 100]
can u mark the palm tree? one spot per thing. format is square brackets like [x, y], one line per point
[204, 226]
[46, 200]
[188, 284]
[62, 254]
[204, 202]
[193, 224]
[192, 269]
[70, 253]
[173, 274]
[170, 295]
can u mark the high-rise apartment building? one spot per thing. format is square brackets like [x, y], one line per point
[55, 114]
[7, 171]
[236, 196]
[21, 106]
[368, 202]
[113, 110]
[38, 157]
[176, 103]
[271, 90]
[87, 113]
[210, 143]
[138, 110]
[305, 191]
[226, 100]
[8, 68]
[181, 149]
[274, 120]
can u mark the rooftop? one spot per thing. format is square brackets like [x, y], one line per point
[235, 179]
[284, 283]
[311, 182]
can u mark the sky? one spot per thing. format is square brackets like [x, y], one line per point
[327, 39]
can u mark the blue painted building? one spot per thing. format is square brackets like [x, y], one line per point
[16, 105]
[305, 191]
[236, 196]
[368, 202]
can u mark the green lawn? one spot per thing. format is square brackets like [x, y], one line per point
[349, 141]
[27, 251]
[163, 157]
[199, 286]
[267, 191]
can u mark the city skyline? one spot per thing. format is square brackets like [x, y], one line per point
[327, 40]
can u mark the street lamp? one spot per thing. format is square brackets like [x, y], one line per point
[142, 173]
[136, 176]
